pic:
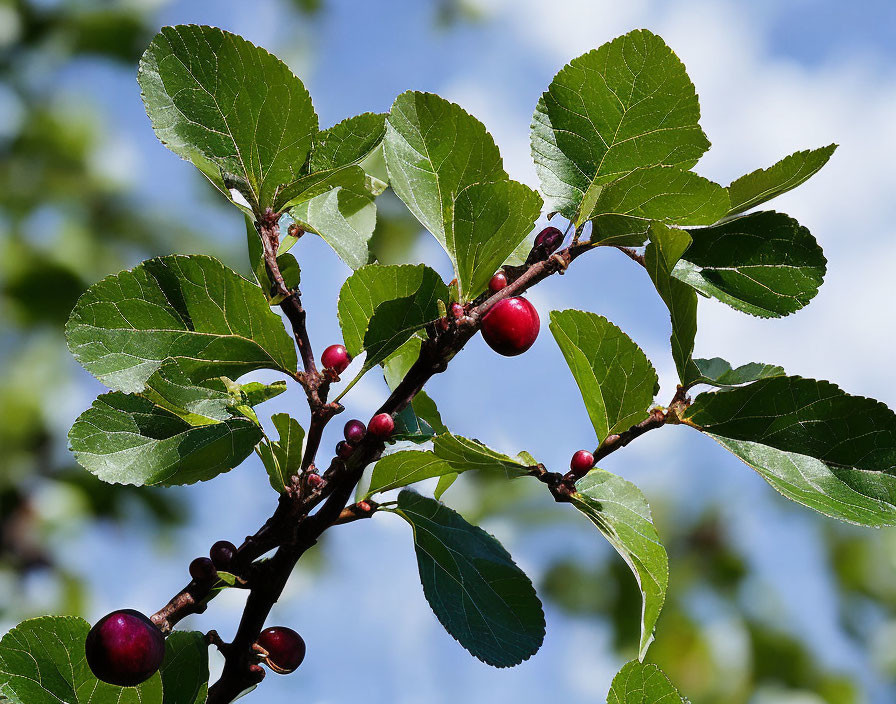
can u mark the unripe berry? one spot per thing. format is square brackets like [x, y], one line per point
[511, 326]
[344, 450]
[363, 506]
[285, 648]
[354, 431]
[381, 425]
[457, 310]
[202, 569]
[549, 239]
[497, 282]
[336, 357]
[124, 648]
[581, 463]
[222, 554]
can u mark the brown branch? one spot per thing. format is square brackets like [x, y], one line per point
[632, 254]
[294, 528]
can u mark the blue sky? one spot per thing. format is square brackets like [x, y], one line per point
[773, 77]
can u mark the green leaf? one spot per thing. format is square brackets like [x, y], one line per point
[451, 455]
[662, 254]
[813, 442]
[43, 660]
[764, 184]
[463, 454]
[434, 150]
[185, 669]
[445, 482]
[405, 468]
[620, 511]
[192, 309]
[640, 683]
[625, 208]
[348, 142]
[409, 427]
[625, 105]
[718, 372]
[417, 290]
[617, 381]
[764, 264]
[198, 403]
[126, 439]
[344, 217]
[472, 584]
[490, 221]
[234, 110]
[283, 458]
[255, 392]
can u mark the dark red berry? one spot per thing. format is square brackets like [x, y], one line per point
[315, 480]
[336, 357]
[125, 648]
[497, 282]
[511, 326]
[457, 310]
[202, 569]
[344, 449]
[381, 425]
[581, 463]
[354, 431]
[364, 506]
[222, 554]
[285, 649]
[548, 240]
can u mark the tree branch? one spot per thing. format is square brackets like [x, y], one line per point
[292, 527]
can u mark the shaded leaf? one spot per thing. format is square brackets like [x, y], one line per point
[625, 207]
[126, 439]
[43, 660]
[472, 584]
[718, 372]
[193, 309]
[617, 381]
[764, 184]
[779, 425]
[625, 105]
[185, 669]
[764, 264]
[371, 286]
[662, 254]
[234, 110]
[490, 221]
[620, 511]
[348, 142]
[282, 458]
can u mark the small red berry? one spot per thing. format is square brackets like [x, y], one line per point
[222, 554]
[381, 425]
[549, 239]
[497, 282]
[285, 649]
[457, 310]
[344, 450]
[511, 326]
[315, 480]
[364, 506]
[336, 357]
[581, 463]
[354, 431]
[124, 648]
[202, 569]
